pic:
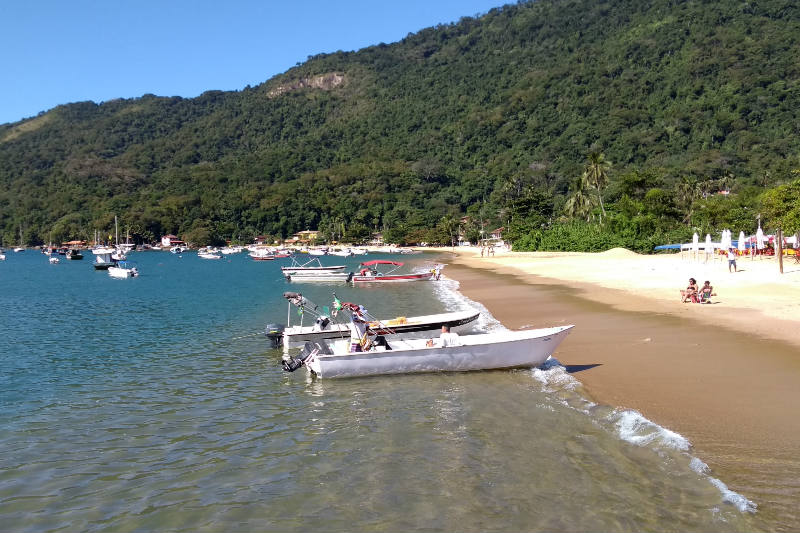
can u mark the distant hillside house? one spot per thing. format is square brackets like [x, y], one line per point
[498, 233]
[261, 239]
[170, 240]
[305, 237]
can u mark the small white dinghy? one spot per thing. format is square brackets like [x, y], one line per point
[485, 351]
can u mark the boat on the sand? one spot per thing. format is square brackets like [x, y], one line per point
[369, 274]
[400, 355]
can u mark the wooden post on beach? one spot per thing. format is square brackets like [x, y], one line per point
[779, 248]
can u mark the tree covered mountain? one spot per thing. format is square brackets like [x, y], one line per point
[493, 117]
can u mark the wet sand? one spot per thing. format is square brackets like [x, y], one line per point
[733, 394]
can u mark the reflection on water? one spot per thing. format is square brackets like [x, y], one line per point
[155, 404]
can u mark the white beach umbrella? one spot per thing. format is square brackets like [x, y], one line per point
[760, 238]
[723, 238]
[741, 241]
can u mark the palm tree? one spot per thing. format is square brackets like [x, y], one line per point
[687, 191]
[596, 174]
[579, 205]
[449, 225]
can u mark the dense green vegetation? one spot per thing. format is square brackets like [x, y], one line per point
[575, 124]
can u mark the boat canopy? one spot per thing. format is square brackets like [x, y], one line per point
[381, 262]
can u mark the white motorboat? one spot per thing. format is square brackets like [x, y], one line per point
[312, 266]
[262, 254]
[371, 275]
[123, 269]
[103, 257]
[341, 252]
[208, 253]
[317, 251]
[319, 276]
[53, 260]
[399, 355]
[177, 249]
[413, 326]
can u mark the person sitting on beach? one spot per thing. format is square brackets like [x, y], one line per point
[706, 292]
[690, 293]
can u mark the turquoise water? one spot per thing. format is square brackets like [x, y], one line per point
[155, 403]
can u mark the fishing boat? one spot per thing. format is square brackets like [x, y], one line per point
[368, 274]
[400, 355]
[103, 257]
[74, 254]
[123, 269]
[325, 328]
[312, 266]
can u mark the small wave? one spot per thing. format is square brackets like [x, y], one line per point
[634, 428]
[728, 496]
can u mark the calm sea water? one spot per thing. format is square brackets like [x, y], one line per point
[155, 403]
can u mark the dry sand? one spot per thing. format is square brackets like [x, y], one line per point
[724, 375]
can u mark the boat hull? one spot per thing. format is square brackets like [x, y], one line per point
[301, 277]
[508, 349]
[393, 278]
[414, 326]
[300, 270]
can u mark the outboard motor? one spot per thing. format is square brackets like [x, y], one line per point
[292, 363]
[274, 333]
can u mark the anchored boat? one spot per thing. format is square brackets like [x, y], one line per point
[325, 328]
[368, 274]
[484, 351]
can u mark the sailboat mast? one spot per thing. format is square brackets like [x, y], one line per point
[116, 231]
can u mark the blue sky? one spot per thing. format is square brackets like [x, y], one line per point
[54, 52]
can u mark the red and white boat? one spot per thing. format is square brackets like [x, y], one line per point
[367, 274]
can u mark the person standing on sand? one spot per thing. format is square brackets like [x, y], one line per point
[731, 260]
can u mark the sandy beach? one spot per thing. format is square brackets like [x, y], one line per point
[724, 375]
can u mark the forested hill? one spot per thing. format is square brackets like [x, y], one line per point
[492, 116]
